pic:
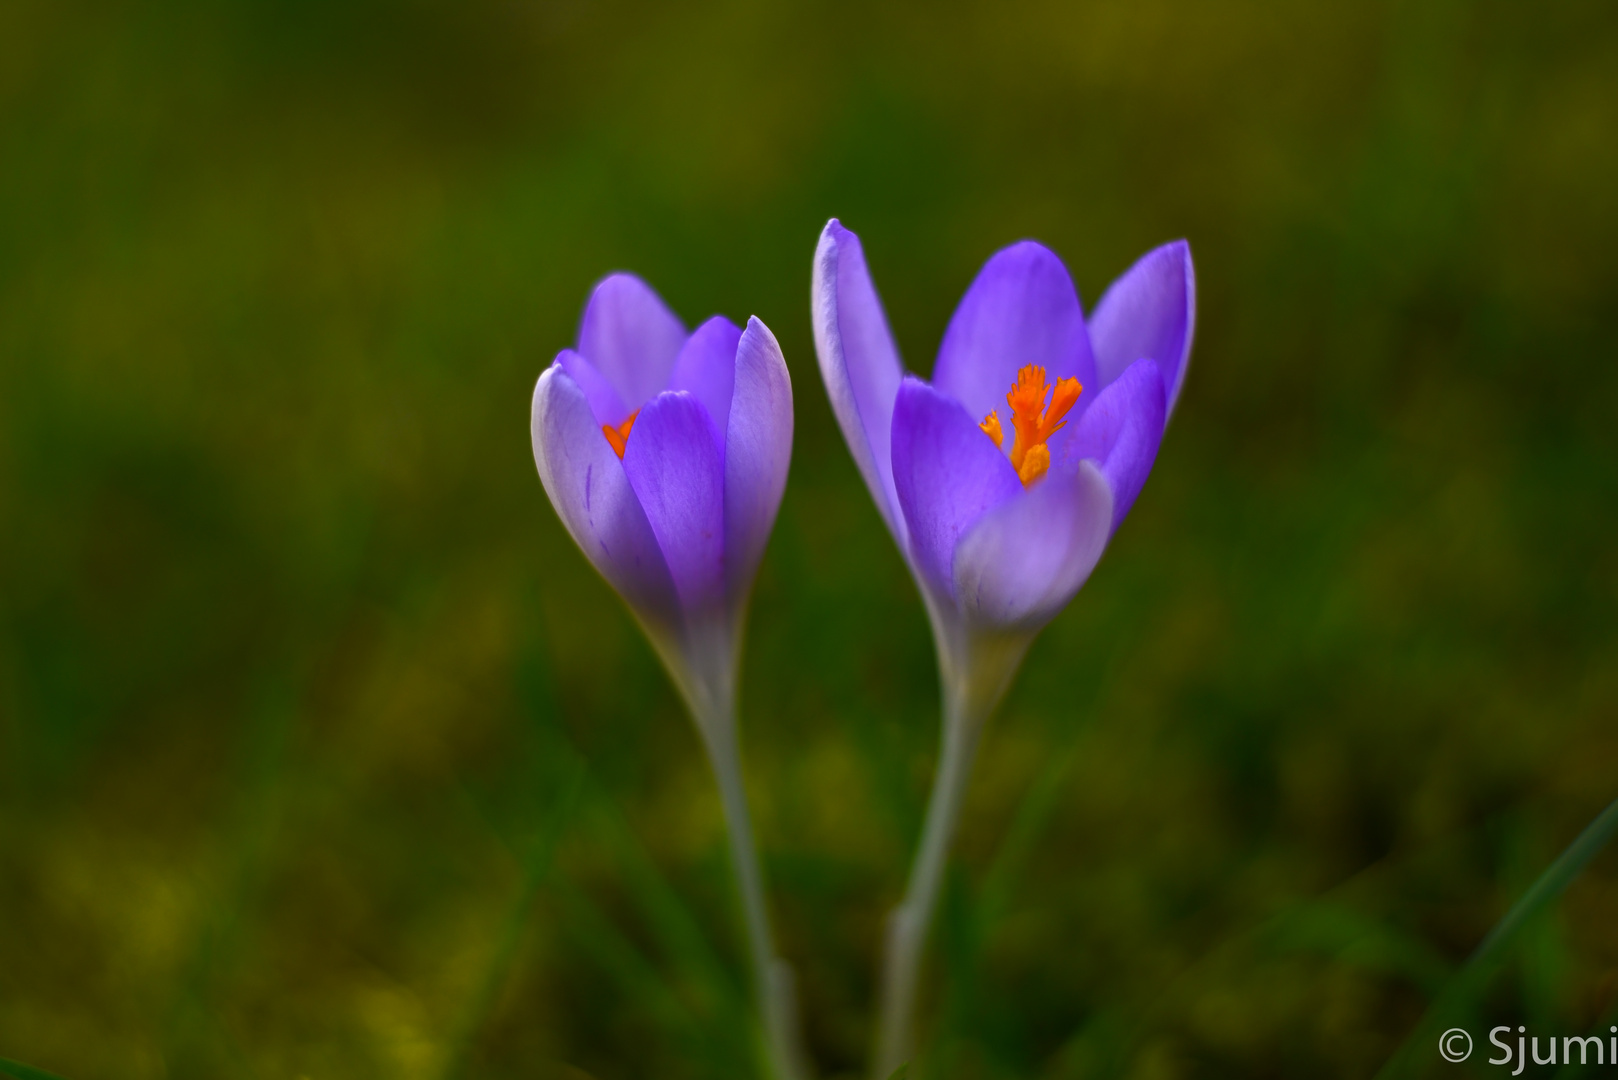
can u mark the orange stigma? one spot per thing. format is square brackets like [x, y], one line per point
[619, 436]
[1033, 420]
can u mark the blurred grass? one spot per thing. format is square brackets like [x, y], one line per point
[323, 753]
[20, 1071]
[1457, 1002]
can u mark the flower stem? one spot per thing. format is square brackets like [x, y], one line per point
[974, 673]
[702, 660]
[772, 977]
[909, 923]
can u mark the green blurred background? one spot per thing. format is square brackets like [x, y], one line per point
[324, 753]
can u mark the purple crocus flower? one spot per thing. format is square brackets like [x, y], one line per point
[1000, 532]
[995, 549]
[665, 454]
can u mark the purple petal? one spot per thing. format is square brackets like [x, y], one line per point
[1022, 309]
[758, 448]
[1149, 312]
[947, 474]
[1022, 563]
[605, 403]
[631, 337]
[1121, 431]
[706, 367]
[587, 486]
[675, 467]
[858, 361]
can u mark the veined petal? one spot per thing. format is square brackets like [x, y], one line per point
[587, 486]
[1021, 310]
[858, 361]
[1151, 311]
[1121, 432]
[758, 448]
[947, 475]
[706, 367]
[605, 403]
[1023, 561]
[676, 470]
[631, 337]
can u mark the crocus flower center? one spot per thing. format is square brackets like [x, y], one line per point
[1033, 419]
[619, 436]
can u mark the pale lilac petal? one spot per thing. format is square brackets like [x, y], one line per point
[947, 474]
[758, 448]
[1022, 309]
[706, 367]
[858, 361]
[631, 337]
[1023, 560]
[1121, 432]
[675, 467]
[1149, 312]
[605, 403]
[592, 496]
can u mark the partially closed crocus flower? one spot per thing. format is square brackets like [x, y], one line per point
[665, 455]
[1001, 480]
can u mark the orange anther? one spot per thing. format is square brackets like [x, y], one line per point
[991, 428]
[619, 436]
[1034, 420]
[1036, 464]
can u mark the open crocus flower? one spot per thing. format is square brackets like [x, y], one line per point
[665, 454]
[1001, 480]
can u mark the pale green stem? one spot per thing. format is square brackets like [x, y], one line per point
[909, 923]
[974, 673]
[704, 672]
[772, 977]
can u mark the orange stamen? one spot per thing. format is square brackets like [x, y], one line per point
[619, 436]
[1034, 420]
[991, 428]
[1035, 465]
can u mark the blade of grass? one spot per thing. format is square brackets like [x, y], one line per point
[20, 1071]
[1040, 802]
[637, 977]
[677, 930]
[720, 1010]
[536, 869]
[1465, 987]
[608, 946]
[1032, 815]
[1539, 959]
[1325, 925]
[193, 1026]
[971, 915]
[697, 1038]
[1355, 940]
